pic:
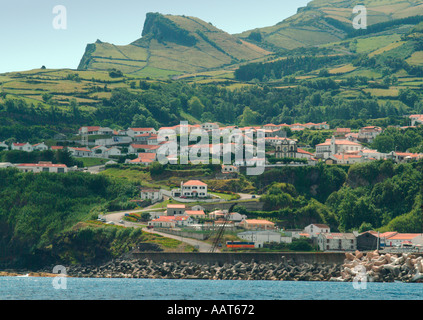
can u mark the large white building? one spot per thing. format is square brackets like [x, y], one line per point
[132, 132]
[154, 195]
[316, 228]
[191, 189]
[337, 242]
[336, 146]
[261, 237]
[22, 147]
[42, 167]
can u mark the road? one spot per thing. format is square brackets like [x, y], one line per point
[116, 217]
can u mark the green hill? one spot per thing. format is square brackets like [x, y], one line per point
[171, 45]
[324, 21]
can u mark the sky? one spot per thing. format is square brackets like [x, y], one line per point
[31, 37]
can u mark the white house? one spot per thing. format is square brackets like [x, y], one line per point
[113, 151]
[99, 151]
[183, 221]
[154, 195]
[91, 130]
[397, 239]
[163, 222]
[209, 126]
[40, 147]
[333, 146]
[80, 152]
[42, 167]
[175, 209]
[344, 158]
[22, 147]
[236, 217]
[194, 189]
[132, 132]
[316, 228]
[4, 165]
[4, 146]
[337, 242]
[137, 148]
[257, 224]
[261, 237]
[196, 214]
[368, 134]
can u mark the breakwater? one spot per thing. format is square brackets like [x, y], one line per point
[286, 270]
[261, 266]
[377, 267]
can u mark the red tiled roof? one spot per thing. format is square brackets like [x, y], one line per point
[141, 129]
[194, 183]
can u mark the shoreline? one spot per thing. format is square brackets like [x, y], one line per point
[358, 266]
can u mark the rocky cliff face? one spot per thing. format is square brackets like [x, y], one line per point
[162, 29]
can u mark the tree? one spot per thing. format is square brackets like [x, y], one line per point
[248, 117]
[195, 107]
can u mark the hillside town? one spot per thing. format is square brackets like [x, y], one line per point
[262, 233]
[141, 145]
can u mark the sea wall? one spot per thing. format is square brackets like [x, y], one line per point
[276, 267]
[229, 257]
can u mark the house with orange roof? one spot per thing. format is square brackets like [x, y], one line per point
[416, 119]
[316, 228]
[175, 209]
[143, 138]
[132, 132]
[257, 224]
[55, 148]
[404, 156]
[40, 147]
[369, 133]
[90, 130]
[333, 146]
[80, 152]
[194, 189]
[196, 214]
[340, 133]
[144, 158]
[345, 158]
[22, 146]
[163, 222]
[398, 239]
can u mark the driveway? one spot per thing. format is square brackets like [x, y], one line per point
[116, 217]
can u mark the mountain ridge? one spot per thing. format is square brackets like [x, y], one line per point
[173, 45]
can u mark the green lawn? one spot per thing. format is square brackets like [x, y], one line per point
[90, 162]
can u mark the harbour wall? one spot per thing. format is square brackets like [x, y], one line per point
[329, 258]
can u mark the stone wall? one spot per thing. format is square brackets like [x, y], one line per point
[204, 257]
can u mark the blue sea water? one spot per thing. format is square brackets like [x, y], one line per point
[16, 288]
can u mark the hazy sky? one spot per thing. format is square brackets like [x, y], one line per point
[29, 40]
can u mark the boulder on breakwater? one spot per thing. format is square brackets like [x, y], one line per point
[376, 267]
[286, 270]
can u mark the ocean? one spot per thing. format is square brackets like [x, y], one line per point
[34, 288]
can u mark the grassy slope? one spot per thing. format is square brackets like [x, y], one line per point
[309, 27]
[161, 59]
